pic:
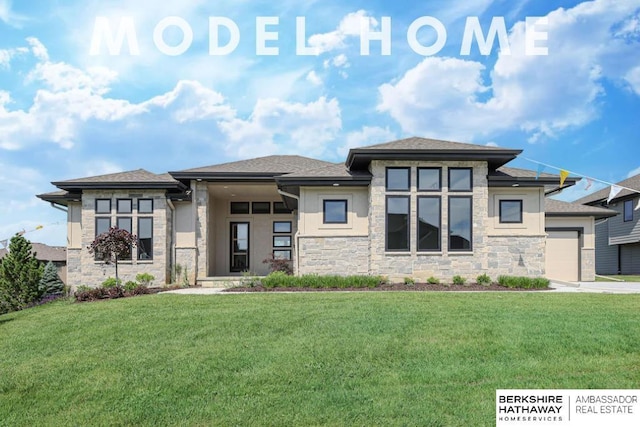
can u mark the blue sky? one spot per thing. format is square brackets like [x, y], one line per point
[65, 113]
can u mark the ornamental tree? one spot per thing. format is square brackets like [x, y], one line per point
[51, 284]
[113, 245]
[20, 274]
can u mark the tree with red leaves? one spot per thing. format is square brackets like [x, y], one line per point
[113, 245]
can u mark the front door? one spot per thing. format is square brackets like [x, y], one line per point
[239, 247]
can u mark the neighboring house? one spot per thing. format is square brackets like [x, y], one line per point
[618, 238]
[45, 253]
[414, 207]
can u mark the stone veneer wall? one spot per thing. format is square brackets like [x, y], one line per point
[588, 264]
[444, 264]
[202, 229]
[82, 269]
[516, 256]
[333, 255]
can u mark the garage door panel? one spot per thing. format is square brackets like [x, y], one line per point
[562, 255]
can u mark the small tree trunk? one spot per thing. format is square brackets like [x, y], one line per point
[116, 262]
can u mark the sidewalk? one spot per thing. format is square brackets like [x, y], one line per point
[599, 287]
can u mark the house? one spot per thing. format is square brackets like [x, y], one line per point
[414, 207]
[618, 238]
[45, 253]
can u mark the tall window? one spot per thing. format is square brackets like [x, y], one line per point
[103, 223]
[429, 223]
[628, 210]
[460, 179]
[398, 179]
[460, 225]
[397, 223]
[125, 223]
[145, 238]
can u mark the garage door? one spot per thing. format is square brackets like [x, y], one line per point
[562, 258]
[630, 259]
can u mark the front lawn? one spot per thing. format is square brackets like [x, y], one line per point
[308, 359]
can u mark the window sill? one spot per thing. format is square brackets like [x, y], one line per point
[403, 253]
[461, 253]
[431, 253]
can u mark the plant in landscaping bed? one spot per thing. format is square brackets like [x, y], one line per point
[20, 274]
[113, 245]
[433, 281]
[130, 286]
[50, 284]
[523, 282]
[278, 264]
[459, 280]
[145, 279]
[111, 282]
[280, 279]
[409, 281]
[483, 279]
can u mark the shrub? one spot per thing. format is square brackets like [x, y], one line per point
[278, 265]
[145, 279]
[50, 284]
[111, 283]
[523, 282]
[409, 281]
[130, 286]
[83, 288]
[433, 281]
[459, 280]
[483, 279]
[280, 279]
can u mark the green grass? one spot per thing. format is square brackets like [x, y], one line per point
[618, 278]
[429, 359]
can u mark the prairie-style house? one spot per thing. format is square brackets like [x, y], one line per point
[410, 208]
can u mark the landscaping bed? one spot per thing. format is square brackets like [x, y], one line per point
[472, 287]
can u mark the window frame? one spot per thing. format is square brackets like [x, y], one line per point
[386, 223]
[470, 198]
[282, 222]
[284, 251]
[282, 236]
[439, 169]
[130, 257]
[98, 218]
[439, 248]
[145, 211]
[470, 169]
[142, 218]
[521, 211]
[386, 178]
[99, 212]
[324, 211]
[629, 204]
[280, 210]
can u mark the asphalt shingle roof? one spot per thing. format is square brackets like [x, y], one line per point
[559, 208]
[137, 176]
[278, 164]
[417, 143]
[45, 252]
[633, 183]
[332, 170]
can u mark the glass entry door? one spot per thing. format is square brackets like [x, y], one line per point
[239, 247]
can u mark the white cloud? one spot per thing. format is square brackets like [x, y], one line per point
[340, 61]
[313, 78]
[634, 172]
[633, 78]
[349, 27]
[277, 126]
[369, 135]
[531, 93]
[491, 144]
[8, 16]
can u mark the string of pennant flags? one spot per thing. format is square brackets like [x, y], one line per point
[4, 242]
[564, 174]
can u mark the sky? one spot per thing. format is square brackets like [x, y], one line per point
[292, 77]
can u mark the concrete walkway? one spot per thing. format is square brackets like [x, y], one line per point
[581, 287]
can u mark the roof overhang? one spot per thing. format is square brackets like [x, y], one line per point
[359, 158]
[599, 215]
[510, 181]
[358, 181]
[79, 186]
[226, 176]
[60, 199]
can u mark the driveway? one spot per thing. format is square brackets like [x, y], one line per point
[599, 287]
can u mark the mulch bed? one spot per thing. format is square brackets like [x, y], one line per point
[472, 287]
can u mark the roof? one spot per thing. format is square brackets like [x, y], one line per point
[416, 148]
[559, 208]
[332, 173]
[507, 176]
[138, 178]
[632, 183]
[45, 252]
[260, 167]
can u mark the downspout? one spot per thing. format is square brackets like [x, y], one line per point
[296, 237]
[53, 205]
[172, 244]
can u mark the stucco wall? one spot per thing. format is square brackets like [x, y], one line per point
[311, 211]
[532, 212]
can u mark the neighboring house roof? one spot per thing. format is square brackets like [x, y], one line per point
[261, 167]
[44, 252]
[139, 178]
[416, 148]
[601, 195]
[506, 176]
[559, 208]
